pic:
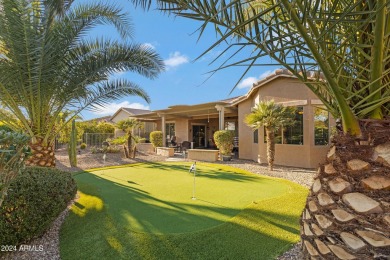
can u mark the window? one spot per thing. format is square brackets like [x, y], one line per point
[294, 134]
[321, 126]
[256, 136]
[170, 130]
[230, 126]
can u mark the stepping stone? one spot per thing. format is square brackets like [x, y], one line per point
[306, 230]
[324, 250]
[358, 165]
[341, 215]
[312, 206]
[332, 153]
[317, 230]
[352, 241]
[361, 203]
[324, 199]
[323, 221]
[340, 186]
[310, 248]
[341, 253]
[329, 169]
[373, 238]
[376, 183]
[382, 154]
[316, 186]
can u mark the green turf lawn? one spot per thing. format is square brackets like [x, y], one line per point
[145, 211]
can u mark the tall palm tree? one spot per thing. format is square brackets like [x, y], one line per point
[341, 51]
[272, 116]
[128, 126]
[48, 65]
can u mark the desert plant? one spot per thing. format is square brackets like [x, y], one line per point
[128, 126]
[35, 198]
[83, 146]
[272, 116]
[72, 146]
[156, 138]
[47, 64]
[224, 139]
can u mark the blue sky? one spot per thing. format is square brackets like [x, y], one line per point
[176, 41]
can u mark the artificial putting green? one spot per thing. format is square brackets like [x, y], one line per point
[146, 211]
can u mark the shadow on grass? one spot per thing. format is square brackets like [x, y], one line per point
[261, 231]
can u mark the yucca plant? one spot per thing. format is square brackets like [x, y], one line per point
[48, 65]
[341, 51]
[272, 117]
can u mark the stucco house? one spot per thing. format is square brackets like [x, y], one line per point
[125, 113]
[302, 145]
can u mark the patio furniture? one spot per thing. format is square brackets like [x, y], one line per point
[185, 146]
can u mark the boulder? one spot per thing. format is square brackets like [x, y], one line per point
[323, 221]
[358, 165]
[361, 203]
[376, 183]
[374, 238]
[324, 199]
[382, 154]
[329, 169]
[352, 241]
[340, 186]
[342, 216]
[341, 253]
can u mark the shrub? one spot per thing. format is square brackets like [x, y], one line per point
[156, 138]
[83, 146]
[224, 141]
[142, 140]
[119, 140]
[35, 198]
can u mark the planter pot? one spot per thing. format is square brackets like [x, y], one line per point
[226, 158]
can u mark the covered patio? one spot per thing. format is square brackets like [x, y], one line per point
[194, 123]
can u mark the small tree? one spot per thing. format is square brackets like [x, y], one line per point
[72, 145]
[272, 116]
[224, 140]
[128, 126]
[13, 152]
[156, 138]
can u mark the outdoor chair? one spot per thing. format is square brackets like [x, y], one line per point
[185, 146]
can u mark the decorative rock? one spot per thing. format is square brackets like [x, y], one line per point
[341, 215]
[322, 247]
[324, 199]
[386, 219]
[317, 230]
[323, 221]
[352, 241]
[358, 165]
[306, 230]
[374, 238]
[310, 248]
[361, 203]
[341, 253]
[331, 154]
[376, 183]
[329, 169]
[382, 153]
[340, 186]
[312, 206]
[316, 186]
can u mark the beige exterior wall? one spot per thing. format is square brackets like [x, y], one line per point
[120, 116]
[307, 155]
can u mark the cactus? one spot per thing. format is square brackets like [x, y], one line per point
[72, 146]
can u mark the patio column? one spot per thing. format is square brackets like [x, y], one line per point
[221, 116]
[163, 129]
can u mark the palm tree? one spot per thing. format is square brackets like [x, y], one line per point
[128, 126]
[272, 116]
[341, 51]
[48, 65]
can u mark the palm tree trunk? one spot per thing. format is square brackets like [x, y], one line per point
[270, 147]
[347, 214]
[129, 144]
[41, 154]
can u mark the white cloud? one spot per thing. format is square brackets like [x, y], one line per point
[249, 81]
[176, 59]
[149, 45]
[111, 108]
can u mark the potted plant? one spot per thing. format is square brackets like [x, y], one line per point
[224, 141]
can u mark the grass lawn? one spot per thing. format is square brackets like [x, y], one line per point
[145, 211]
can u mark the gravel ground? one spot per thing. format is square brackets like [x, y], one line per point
[47, 246]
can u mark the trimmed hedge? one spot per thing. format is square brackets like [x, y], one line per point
[156, 138]
[35, 199]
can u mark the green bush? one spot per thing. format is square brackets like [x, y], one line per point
[156, 138]
[83, 146]
[119, 140]
[224, 140]
[35, 199]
